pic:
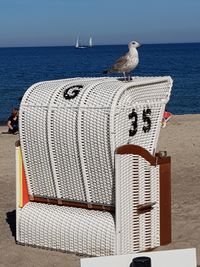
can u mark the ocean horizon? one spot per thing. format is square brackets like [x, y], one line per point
[20, 67]
[73, 45]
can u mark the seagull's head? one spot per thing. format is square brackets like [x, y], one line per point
[133, 44]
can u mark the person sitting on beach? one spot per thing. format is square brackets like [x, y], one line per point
[12, 122]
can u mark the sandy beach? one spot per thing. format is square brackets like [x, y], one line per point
[181, 139]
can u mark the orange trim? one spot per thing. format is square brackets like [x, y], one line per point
[25, 197]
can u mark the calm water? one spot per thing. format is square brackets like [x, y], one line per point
[21, 67]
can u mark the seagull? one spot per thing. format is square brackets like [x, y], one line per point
[126, 63]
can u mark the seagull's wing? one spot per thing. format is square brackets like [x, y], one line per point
[119, 64]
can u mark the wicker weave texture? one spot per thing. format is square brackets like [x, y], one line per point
[68, 144]
[66, 139]
[68, 229]
[68, 149]
[138, 183]
[35, 135]
[140, 98]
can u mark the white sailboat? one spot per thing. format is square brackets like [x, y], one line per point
[90, 42]
[78, 44]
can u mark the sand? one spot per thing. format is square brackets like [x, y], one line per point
[181, 139]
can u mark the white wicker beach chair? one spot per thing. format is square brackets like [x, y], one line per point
[94, 182]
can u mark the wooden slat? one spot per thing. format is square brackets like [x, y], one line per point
[69, 203]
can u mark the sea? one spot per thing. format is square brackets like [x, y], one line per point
[22, 67]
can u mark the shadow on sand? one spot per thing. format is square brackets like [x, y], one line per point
[11, 220]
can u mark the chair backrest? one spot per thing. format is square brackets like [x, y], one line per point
[69, 130]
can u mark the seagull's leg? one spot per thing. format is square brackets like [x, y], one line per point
[129, 77]
[124, 76]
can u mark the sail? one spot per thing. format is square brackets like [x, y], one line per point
[77, 43]
[90, 42]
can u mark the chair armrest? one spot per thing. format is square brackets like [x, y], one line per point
[143, 199]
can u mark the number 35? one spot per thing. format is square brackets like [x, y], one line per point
[146, 117]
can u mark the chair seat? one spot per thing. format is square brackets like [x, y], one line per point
[70, 229]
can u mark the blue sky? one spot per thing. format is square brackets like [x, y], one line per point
[58, 22]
